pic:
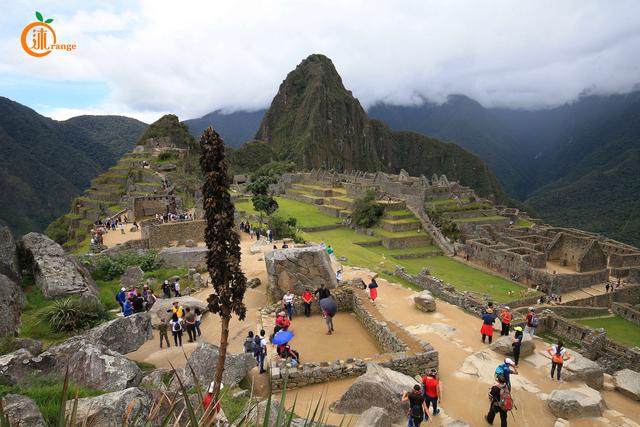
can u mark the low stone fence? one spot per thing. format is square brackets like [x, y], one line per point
[388, 341]
[567, 311]
[627, 312]
[628, 293]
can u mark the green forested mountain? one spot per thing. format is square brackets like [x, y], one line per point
[45, 163]
[315, 122]
[573, 165]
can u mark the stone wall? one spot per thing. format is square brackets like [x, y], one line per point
[146, 206]
[627, 312]
[628, 293]
[583, 252]
[624, 260]
[386, 339]
[173, 233]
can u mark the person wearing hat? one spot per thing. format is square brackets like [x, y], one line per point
[166, 289]
[505, 320]
[432, 390]
[506, 369]
[517, 342]
[532, 322]
[487, 324]
[121, 297]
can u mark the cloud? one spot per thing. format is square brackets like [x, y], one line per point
[198, 56]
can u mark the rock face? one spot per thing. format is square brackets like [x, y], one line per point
[20, 365]
[576, 403]
[183, 257]
[11, 299]
[203, 361]
[124, 334]
[110, 409]
[8, 258]
[298, 268]
[94, 365]
[132, 277]
[374, 417]
[503, 346]
[57, 274]
[579, 368]
[22, 411]
[379, 387]
[159, 309]
[424, 301]
[628, 383]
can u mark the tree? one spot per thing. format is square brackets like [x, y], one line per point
[223, 256]
[263, 202]
[366, 211]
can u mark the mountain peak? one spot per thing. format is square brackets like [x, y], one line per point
[168, 126]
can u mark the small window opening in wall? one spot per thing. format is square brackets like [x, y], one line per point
[584, 334]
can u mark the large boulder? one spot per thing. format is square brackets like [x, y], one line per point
[255, 415]
[94, 365]
[11, 300]
[579, 368]
[576, 403]
[132, 277]
[123, 334]
[110, 409]
[22, 411]
[503, 346]
[159, 309]
[424, 301]
[379, 387]
[204, 359]
[181, 257]
[8, 257]
[57, 274]
[21, 366]
[298, 268]
[627, 382]
[374, 417]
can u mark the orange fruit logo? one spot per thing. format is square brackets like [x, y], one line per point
[39, 39]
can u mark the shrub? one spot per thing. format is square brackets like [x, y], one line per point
[366, 211]
[58, 230]
[165, 155]
[111, 267]
[74, 315]
[283, 229]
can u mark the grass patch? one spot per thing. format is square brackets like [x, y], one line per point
[401, 221]
[480, 219]
[447, 201]
[47, 392]
[523, 223]
[398, 234]
[146, 366]
[307, 215]
[231, 406]
[618, 329]
[31, 326]
[107, 290]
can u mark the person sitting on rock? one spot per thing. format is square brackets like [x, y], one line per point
[285, 351]
[138, 304]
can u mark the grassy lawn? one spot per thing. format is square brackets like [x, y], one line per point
[523, 223]
[618, 329]
[307, 215]
[480, 218]
[410, 233]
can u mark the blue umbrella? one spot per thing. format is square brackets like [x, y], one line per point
[282, 337]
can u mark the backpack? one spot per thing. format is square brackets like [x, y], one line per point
[534, 321]
[506, 401]
[257, 348]
[500, 371]
[249, 345]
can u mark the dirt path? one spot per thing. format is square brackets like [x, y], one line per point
[112, 238]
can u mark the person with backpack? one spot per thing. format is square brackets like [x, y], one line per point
[176, 329]
[505, 320]
[417, 406]
[487, 324]
[517, 343]
[532, 322]
[432, 390]
[250, 343]
[166, 289]
[262, 350]
[501, 402]
[558, 356]
[505, 370]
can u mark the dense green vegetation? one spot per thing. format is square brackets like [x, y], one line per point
[73, 315]
[366, 212]
[618, 329]
[169, 126]
[45, 163]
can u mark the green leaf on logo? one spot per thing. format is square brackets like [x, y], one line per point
[39, 16]
[48, 21]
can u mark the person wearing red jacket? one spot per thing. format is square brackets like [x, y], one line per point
[307, 297]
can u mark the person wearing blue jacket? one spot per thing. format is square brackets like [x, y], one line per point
[127, 308]
[121, 297]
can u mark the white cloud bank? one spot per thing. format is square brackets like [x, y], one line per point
[193, 57]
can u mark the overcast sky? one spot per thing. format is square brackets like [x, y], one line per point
[143, 58]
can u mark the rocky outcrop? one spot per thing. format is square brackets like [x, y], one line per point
[579, 368]
[8, 257]
[11, 300]
[374, 417]
[123, 334]
[110, 409]
[132, 277]
[424, 301]
[181, 257]
[627, 382]
[576, 403]
[20, 365]
[29, 344]
[379, 387]
[204, 359]
[157, 379]
[94, 365]
[503, 346]
[159, 309]
[22, 411]
[298, 268]
[57, 274]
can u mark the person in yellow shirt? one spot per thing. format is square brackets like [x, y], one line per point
[177, 309]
